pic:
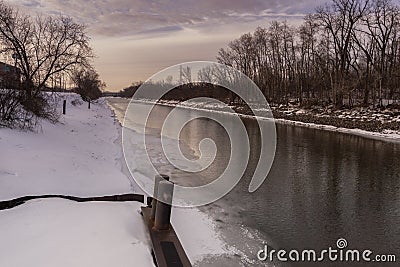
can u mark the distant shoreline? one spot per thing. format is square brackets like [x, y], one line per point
[370, 128]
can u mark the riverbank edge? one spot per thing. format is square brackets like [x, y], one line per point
[231, 252]
[118, 143]
[304, 120]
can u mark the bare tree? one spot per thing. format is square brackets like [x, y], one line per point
[380, 24]
[186, 75]
[43, 46]
[88, 84]
[344, 53]
[340, 19]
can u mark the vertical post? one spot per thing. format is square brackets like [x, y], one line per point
[158, 179]
[180, 75]
[164, 205]
[89, 104]
[64, 106]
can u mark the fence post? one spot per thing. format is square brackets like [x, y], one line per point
[64, 106]
[164, 205]
[89, 104]
[158, 179]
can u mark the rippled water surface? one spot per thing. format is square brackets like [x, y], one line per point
[323, 186]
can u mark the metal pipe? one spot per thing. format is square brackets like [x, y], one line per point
[158, 179]
[164, 205]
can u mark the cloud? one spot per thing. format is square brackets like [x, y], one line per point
[163, 30]
[134, 39]
[128, 17]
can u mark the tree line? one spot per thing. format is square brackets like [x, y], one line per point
[345, 53]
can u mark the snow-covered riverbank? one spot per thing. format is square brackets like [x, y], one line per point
[369, 123]
[74, 157]
[365, 122]
[81, 156]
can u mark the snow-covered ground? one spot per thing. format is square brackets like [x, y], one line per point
[75, 157]
[81, 156]
[360, 121]
[65, 233]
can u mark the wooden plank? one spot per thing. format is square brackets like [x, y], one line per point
[167, 248]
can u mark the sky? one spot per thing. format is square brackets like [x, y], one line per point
[134, 39]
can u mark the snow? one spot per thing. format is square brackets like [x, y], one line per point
[75, 157]
[197, 233]
[65, 233]
[82, 156]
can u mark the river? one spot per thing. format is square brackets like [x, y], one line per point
[322, 186]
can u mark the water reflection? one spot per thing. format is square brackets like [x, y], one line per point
[323, 186]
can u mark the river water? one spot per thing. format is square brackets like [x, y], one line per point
[322, 186]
